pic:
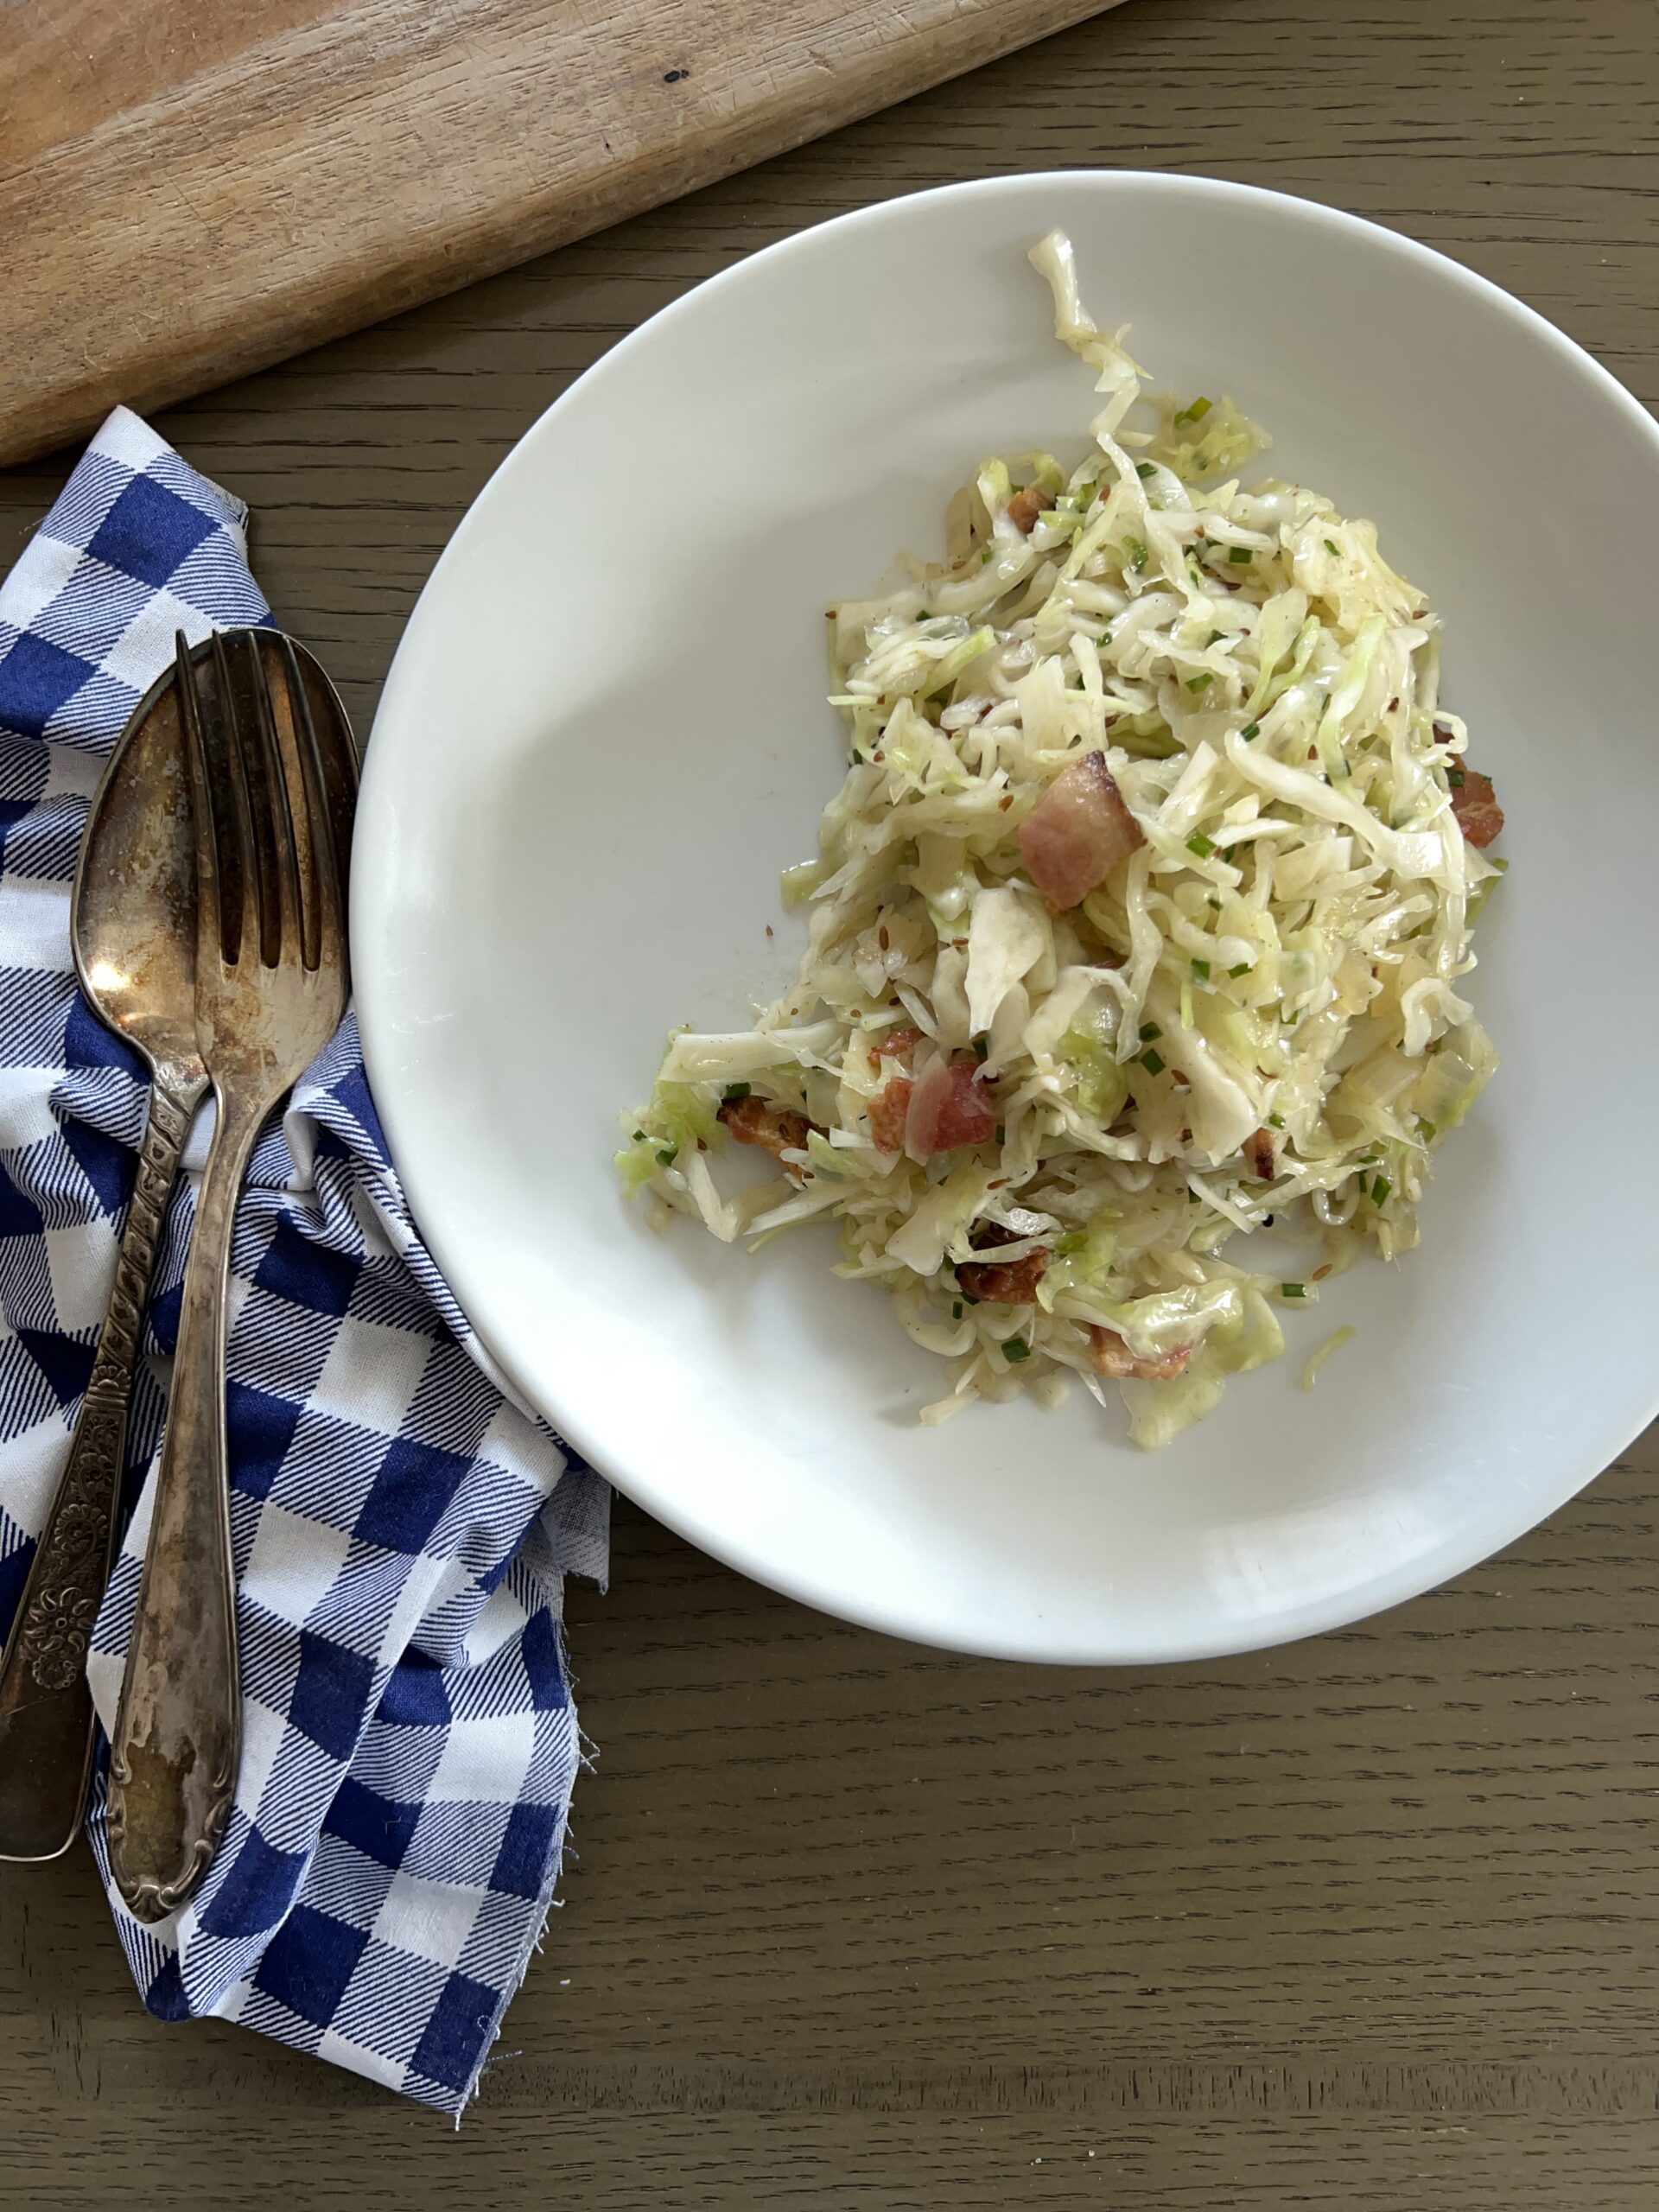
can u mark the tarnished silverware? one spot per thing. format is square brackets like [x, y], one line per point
[134, 930]
[132, 920]
[270, 987]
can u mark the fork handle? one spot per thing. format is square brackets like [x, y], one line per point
[178, 1731]
[46, 1708]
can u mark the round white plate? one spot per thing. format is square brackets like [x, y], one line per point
[604, 733]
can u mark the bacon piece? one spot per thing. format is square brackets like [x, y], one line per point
[1109, 1354]
[998, 1282]
[775, 1129]
[1025, 507]
[899, 1045]
[889, 1109]
[949, 1106]
[1475, 804]
[1077, 832]
[1261, 1154]
[1012, 1285]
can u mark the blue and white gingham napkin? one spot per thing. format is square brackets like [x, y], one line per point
[401, 1528]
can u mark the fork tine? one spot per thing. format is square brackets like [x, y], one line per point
[281, 851]
[324, 938]
[244, 903]
[210, 905]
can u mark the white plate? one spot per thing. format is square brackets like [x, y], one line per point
[604, 734]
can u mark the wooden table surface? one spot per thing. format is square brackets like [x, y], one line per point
[1371, 1922]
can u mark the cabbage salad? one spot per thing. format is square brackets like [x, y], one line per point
[1140, 923]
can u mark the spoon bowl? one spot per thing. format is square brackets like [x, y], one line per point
[133, 918]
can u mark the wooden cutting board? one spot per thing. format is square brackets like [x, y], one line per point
[189, 190]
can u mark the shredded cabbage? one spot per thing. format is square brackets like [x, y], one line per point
[1317, 1358]
[1256, 1016]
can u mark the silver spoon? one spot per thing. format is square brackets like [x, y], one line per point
[133, 927]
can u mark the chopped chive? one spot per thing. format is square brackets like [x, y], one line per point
[1198, 844]
[667, 1158]
[1239, 555]
[1250, 730]
[981, 1048]
[1380, 1190]
[1001, 1131]
[1200, 683]
[1143, 469]
[1212, 900]
[1329, 548]
[1151, 1062]
[1201, 971]
[1211, 640]
[985, 557]
[640, 1137]
[1137, 553]
[1243, 968]
[1015, 1349]
[1276, 1121]
[1191, 1197]
[1195, 413]
[1456, 778]
[1148, 1031]
[1292, 1290]
[955, 1309]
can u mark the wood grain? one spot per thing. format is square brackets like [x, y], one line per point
[1368, 1925]
[188, 194]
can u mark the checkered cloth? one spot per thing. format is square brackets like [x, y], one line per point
[401, 1528]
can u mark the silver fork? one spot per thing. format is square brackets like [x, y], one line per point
[271, 986]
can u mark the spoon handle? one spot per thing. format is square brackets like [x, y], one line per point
[46, 1708]
[177, 1741]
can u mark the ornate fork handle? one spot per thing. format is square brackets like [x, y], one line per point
[46, 1708]
[178, 1733]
